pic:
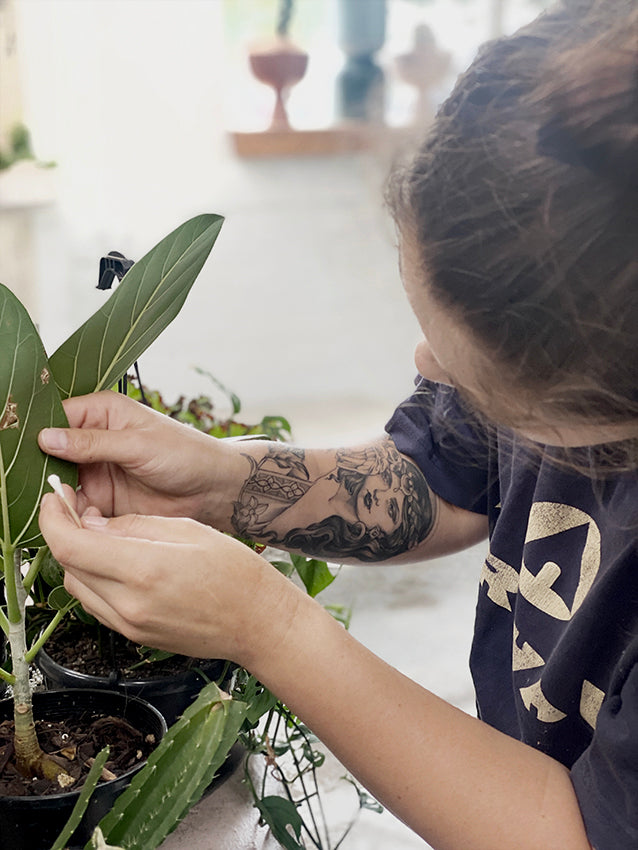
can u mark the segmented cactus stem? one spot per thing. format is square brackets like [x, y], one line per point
[176, 773]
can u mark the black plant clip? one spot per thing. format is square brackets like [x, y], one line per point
[114, 265]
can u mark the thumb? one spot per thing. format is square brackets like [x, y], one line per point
[86, 445]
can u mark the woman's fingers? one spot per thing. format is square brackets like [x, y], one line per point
[127, 535]
[126, 571]
[132, 459]
[90, 510]
[104, 426]
[92, 602]
[169, 582]
[53, 508]
[151, 528]
[106, 409]
[86, 445]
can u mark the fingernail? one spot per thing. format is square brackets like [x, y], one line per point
[54, 438]
[90, 521]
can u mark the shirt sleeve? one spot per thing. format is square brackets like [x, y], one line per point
[605, 777]
[447, 442]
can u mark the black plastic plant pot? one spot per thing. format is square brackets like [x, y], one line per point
[33, 823]
[171, 695]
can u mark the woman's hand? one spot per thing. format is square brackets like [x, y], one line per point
[135, 460]
[171, 583]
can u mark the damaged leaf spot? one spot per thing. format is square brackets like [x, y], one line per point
[45, 375]
[9, 418]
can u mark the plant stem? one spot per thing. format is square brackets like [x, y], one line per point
[46, 634]
[306, 797]
[26, 743]
[34, 568]
[5, 625]
[12, 580]
[7, 677]
[30, 758]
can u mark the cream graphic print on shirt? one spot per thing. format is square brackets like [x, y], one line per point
[547, 519]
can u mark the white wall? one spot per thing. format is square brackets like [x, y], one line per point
[301, 299]
[300, 305]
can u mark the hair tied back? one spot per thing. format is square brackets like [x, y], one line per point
[556, 141]
[591, 94]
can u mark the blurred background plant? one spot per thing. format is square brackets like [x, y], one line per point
[19, 148]
[200, 412]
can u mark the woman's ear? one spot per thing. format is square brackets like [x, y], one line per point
[428, 366]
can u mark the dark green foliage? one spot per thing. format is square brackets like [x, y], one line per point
[29, 401]
[149, 297]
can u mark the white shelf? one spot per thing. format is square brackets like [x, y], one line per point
[26, 184]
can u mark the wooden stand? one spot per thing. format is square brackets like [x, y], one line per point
[330, 141]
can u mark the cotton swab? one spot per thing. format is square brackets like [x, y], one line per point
[54, 481]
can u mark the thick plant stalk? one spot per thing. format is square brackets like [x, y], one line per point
[176, 774]
[30, 758]
[26, 743]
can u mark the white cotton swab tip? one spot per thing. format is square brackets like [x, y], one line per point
[54, 481]
[56, 484]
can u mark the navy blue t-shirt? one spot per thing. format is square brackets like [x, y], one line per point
[555, 653]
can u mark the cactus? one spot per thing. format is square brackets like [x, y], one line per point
[98, 842]
[83, 800]
[176, 774]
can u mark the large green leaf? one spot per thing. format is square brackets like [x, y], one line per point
[149, 297]
[29, 401]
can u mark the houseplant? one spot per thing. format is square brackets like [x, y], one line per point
[32, 387]
[19, 149]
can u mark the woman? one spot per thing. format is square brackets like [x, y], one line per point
[517, 227]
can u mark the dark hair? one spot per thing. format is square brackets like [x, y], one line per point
[523, 201]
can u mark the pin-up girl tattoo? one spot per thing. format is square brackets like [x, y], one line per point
[376, 503]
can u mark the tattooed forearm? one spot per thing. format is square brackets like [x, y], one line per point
[372, 504]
